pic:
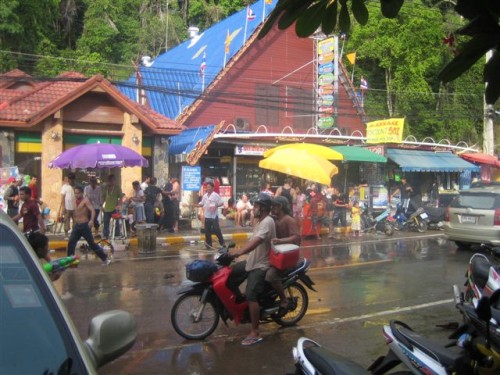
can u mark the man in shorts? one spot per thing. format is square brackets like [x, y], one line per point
[319, 212]
[255, 267]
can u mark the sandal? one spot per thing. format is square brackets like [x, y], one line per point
[248, 341]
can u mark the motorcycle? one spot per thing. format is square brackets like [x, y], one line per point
[380, 223]
[196, 313]
[435, 217]
[420, 355]
[415, 221]
[482, 277]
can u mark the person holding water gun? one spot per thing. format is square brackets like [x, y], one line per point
[40, 244]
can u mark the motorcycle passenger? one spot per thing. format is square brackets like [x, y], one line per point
[287, 231]
[255, 267]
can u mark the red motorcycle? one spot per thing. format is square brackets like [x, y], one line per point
[196, 313]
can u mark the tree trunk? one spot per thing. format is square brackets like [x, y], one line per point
[390, 104]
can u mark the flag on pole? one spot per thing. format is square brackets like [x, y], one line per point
[227, 43]
[250, 14]
[203, 66]
[363, 84]
[351, 57]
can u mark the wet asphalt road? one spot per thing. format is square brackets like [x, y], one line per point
[361, 284]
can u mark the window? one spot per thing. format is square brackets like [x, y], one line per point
[484, 201]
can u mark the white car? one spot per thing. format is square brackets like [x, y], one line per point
[37, 335]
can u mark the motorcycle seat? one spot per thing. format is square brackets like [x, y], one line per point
[326, 362]
[480, 270]
[439, 353]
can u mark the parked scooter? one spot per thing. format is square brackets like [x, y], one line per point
[416, 221]
[196, 313]
[420, 355]
[482, 277]
[435, 217]
[379, 223]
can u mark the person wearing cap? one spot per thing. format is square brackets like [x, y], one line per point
[255, 267]
[93, 193]
[11, 196]
[287, 231]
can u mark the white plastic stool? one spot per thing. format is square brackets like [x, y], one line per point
[122, 224]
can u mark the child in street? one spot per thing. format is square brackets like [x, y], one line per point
[355, 219]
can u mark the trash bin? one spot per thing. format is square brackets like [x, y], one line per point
[146, 237]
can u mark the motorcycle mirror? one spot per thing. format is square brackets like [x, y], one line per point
[483, 309]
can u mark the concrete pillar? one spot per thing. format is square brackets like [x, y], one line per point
[132, 138]
[52, 146]
[160, 159]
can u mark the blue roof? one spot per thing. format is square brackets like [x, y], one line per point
[174, 80]
[428, 161]
[185, 142]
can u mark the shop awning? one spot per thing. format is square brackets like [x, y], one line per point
[186, 141]
[428, 161]
[355, 153]
[481, 159]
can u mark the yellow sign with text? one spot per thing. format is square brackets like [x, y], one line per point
[385, 131]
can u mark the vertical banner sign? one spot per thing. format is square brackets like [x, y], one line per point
[191, 178]
[385, 131]
[325, 80]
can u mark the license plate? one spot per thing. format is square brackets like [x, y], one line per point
[469, 219]
[423, 215]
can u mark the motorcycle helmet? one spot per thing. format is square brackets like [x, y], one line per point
[264, 200]
[283, 202]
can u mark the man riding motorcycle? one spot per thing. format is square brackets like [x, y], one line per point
[255, 267]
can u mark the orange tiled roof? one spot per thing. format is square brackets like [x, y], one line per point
[26, 108]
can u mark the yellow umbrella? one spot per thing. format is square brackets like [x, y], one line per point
[311, 148]
[300, 163]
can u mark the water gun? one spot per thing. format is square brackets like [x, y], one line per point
[59, 265]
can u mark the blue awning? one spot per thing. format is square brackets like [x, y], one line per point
[186, 141]
[428, 161]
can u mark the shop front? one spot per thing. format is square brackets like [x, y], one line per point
[433, 175]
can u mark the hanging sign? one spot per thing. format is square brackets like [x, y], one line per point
[325, 68]
[191, 178]
[385, 131]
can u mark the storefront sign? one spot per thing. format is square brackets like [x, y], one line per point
[325, 122]
[191, 178]
[385, 131]
[250, 150]
[380, 150]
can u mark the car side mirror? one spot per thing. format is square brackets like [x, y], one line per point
[111, 334]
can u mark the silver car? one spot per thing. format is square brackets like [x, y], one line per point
[473, 217]
[37, 335]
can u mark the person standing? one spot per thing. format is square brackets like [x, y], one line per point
[340, 206]
[93, 193]
[145, 183]
[298, 207]
[356, 219]
[286, 191]
[175, 196]
[255, 267]
[211, 202]
[33, 185]
[111, 198]
[11, 196]
[83, 227]
[152, 194]
[30, 212]
[68, 202]
[167, 221]
[319, 215]
[406, 192]
[137, 201]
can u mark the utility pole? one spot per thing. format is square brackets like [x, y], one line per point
[166, 30]
[489, 115]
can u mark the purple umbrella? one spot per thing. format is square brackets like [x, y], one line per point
[98, 155]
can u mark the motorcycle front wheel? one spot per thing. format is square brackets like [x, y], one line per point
[421, 226]
[185, 311]
[298, 295]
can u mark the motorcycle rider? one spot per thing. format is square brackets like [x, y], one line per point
[406, 191]
[287, 231]
[255, 267]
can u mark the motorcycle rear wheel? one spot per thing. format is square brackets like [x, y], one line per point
[388, 230]
[298, 294]
[183, 315]
[421, 226]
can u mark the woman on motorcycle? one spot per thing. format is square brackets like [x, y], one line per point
[255, 267]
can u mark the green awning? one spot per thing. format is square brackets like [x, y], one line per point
[355, 153]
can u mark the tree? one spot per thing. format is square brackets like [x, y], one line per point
[479, 36]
